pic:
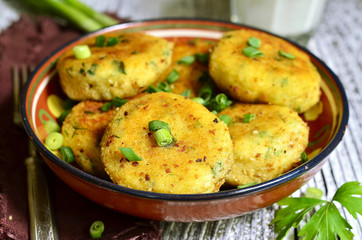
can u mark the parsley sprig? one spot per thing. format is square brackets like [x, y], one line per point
[327, 221]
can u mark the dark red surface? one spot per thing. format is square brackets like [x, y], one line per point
[28, 42]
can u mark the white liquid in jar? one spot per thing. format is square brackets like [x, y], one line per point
[283, 17]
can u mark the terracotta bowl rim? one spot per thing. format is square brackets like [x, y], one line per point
[225, 194]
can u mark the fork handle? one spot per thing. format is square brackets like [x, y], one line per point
[42, 224]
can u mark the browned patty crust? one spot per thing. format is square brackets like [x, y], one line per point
[197, 163]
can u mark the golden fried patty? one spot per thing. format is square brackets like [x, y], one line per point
[122, 70]
[189, 74]
[197, 163]
[83, 129]
[268, 145]
[273, 79]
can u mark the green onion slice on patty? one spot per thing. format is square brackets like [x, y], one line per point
[81, 51]
[67, 154]
[129, 154]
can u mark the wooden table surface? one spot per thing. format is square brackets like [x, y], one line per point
[337, 41]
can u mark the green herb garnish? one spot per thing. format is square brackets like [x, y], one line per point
[164, 87]
[252, 52]
[225, 118]
[155, 125]
[248, 117]
[120, 66]
[96, 229]
[92, 69]
[325, 223]
[247, 185]
[163, 137]
[286, 55]
[129, 154]
[112, 41]
[186, 93]
[254, 42]
[67, 154]
[81, 51]
[162, 133]
[219, 103]
[188, 60]
[100, 41]
[202, 57]
[173, 76]
[304, 157]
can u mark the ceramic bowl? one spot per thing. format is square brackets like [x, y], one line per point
[325, 134]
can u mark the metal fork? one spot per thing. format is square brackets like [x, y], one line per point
[42, 223]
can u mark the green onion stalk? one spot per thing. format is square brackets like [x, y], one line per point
[73, 11]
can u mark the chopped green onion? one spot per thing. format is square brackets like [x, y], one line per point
[118, 102]
[204, 77]
[164, 87]
[202, 57]
[62, 116]
[153, 89]
[313, 192]
[155, 125]
[199, 100]
[304, 157]
[187, 93]
[106, 106]
[187, 60]
[100, 41]
[101, 18]
[206, 92]
[286, 55]
[225, 118]
[220, 102]
[173, 76]
[81, 51]
[163, 137]
[67, 154]
[96, 229]
[214, 112]
[54, 141]
[248, 117]
[216, 168]
[247, 185]
[129, 154]
[254, 42]
[120, 66]
[134, 52]
[68, 104]
[112, 41]
[51, 126]
[252, 52]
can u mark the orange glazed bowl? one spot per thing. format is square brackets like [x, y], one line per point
[325, 134]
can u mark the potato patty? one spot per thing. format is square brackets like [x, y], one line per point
[122, 70]
[83, 129]
[197, 163]
[189, 74]
[273, 79]
[268, 145]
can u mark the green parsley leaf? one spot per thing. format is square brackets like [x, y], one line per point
[327, 222]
